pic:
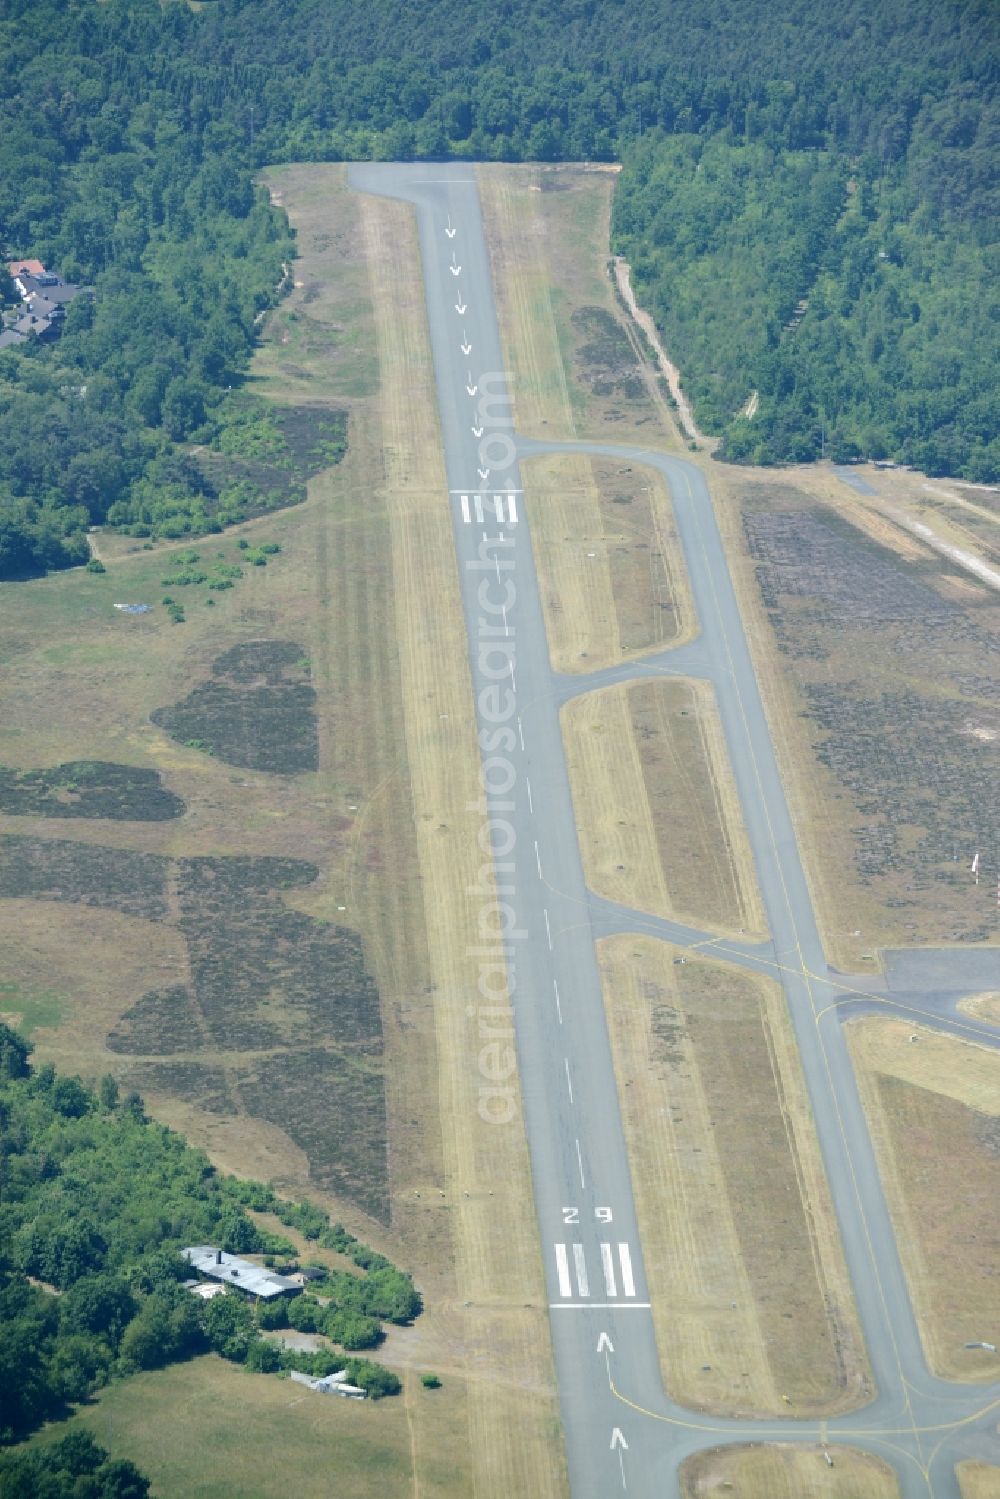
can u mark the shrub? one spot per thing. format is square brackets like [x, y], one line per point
[304, 1314]
[263, 1357]
[352, 1330]
[273, 1315]
[373, 1378]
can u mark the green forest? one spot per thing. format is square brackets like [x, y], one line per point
[96, 1200]
[858, 301]
[828, 168]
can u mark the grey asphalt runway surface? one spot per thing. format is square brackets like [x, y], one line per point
[622, 1431]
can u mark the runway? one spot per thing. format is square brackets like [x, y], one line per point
[622, 1432]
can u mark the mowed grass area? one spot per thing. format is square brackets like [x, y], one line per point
[978, 1480]
[208, 1430]
[751, 1298]
[870, 650]
[787, 1472]
[610, 569]
[933, 1107]
[497, 1319]
[656, 806]
[576, 359]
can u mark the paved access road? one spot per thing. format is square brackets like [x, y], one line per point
[622, 1432]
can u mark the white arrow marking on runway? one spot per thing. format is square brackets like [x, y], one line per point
[455, 268]
[466, 348]
[608, 1264]
[580, 1263]
[628, 1279]
[548, 929]
[604, 1344]
[520, 733]
[538, 859]
[471, 388]
[460, 308]
[558, 1005]
[527, 784]
[569, 1088]
[448, 229]
[618, 1440]
[484, 474]
[579, 1162]
[477, 431]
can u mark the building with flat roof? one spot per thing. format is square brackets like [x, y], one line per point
[231, 1270]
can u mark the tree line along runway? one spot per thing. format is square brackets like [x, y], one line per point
[540, 921]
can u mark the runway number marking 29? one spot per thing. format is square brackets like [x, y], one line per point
[603, 1215]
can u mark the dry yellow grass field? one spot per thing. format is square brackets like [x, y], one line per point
[610, 570]
[978, 1480]
[383, 818]
[982, 1007]
[751, 1298]
[656, 806]
[576, 359]
[933, 1106]
[786, 1472]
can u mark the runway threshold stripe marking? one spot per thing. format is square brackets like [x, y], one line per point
[477, 500]
[599, 1306]
[608, 1263]
[465, 510]
[580, 1263]
[562, 1271]
[628, 1279]
[513, 509]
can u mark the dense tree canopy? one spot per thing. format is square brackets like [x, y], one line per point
[130, 131]
[851, 297]
[74, 1468]
[95, 1202]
